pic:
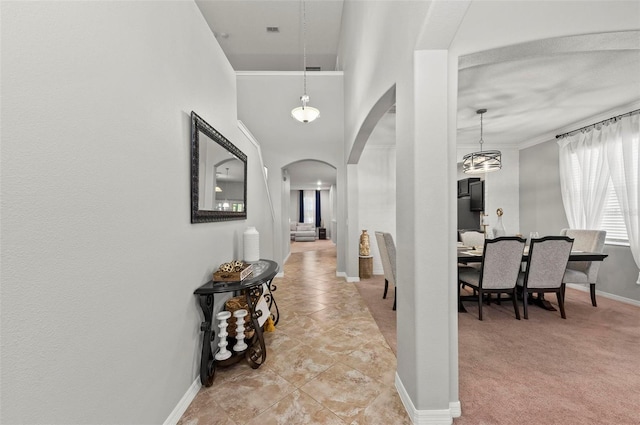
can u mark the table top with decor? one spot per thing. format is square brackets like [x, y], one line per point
[263, 271]
[257, 289]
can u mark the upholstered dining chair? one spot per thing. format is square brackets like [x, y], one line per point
[501, 259]
[546, 264]
[472, 238]
[387, 249]
[585, 272]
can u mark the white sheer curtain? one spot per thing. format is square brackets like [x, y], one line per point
[589, 160]
[623, 155]
[584, 176]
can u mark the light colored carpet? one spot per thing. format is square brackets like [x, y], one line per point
[545, 370]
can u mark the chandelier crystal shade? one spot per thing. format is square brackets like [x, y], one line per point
[482, 161]
[304, 113]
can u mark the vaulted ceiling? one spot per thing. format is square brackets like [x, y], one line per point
[527, 98]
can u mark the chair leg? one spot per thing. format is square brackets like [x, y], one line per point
[592, 288]
[480, 296]
[525, 295]
[515, 304]
[395, 293]
[386, 286]
[561, 303]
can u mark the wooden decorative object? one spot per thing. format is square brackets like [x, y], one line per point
[232, 305]
[234, 273]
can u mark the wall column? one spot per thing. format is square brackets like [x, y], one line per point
[427, 315]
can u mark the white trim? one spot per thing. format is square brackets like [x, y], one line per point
[617, 243]
[341, 274]
[581, 287]
[456, 408]
[353, 279]
[288, 73]
[430, 417]
[184, 403]
[280, 274]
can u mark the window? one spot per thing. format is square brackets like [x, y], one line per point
[612, 219]
[309, 201]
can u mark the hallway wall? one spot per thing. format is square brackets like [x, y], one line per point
[99, 258]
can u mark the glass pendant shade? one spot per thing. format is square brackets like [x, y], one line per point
[483, 161]
[305, 113]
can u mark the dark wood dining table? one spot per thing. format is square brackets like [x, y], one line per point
[468, 255]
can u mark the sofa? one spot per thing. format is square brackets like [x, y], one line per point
[303, 232]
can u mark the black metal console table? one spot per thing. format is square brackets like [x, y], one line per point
[263, 273]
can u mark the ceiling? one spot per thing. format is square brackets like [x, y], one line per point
[527, 99]
[241, 30]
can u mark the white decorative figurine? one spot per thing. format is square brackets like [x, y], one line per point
[240, 344]
[223, 353]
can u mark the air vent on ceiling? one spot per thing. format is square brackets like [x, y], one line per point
[314, 68]
[273, 29]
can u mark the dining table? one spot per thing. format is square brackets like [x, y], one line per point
[471, 255]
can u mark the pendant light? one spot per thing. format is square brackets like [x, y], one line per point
[304, 113]
[482, 161]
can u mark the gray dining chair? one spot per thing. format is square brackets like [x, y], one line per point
[387, 249]
[546, 263]
[585, 272]
[501, 259]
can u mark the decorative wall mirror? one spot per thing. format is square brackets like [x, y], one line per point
[218, 175]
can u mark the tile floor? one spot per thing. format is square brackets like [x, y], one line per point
[327, 362]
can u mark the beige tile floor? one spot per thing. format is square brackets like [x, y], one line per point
[327, 362]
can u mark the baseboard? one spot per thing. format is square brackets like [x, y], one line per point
[353, 279]
[341, 274]
[430, 417]
[585, 288]
[280, 274]
[184, 403]
[455, 408]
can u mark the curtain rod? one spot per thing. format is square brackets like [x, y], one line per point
[569, 133]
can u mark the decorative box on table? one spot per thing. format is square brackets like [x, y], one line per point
[234, 273]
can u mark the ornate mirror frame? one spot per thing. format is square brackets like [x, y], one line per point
[198, 127]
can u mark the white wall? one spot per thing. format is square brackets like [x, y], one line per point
[100, 260]
[377, 195]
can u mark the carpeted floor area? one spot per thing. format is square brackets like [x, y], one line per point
[545, 370]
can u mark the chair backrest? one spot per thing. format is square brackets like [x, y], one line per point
[387, 249]
[547, 261]
[472, 238]
[501, 261]
[586, 240]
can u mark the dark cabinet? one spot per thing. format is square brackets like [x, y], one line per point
[322, 233]
[464, 188]
[476, 191]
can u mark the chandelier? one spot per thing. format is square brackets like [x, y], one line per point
[482, 161]
[304, 113]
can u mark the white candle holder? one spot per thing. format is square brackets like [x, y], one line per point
[240, 344]
[223, 353]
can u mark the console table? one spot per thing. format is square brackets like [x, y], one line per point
[253, 287]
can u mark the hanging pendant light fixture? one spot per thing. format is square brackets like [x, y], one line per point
[304, 113]
[483, 161]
